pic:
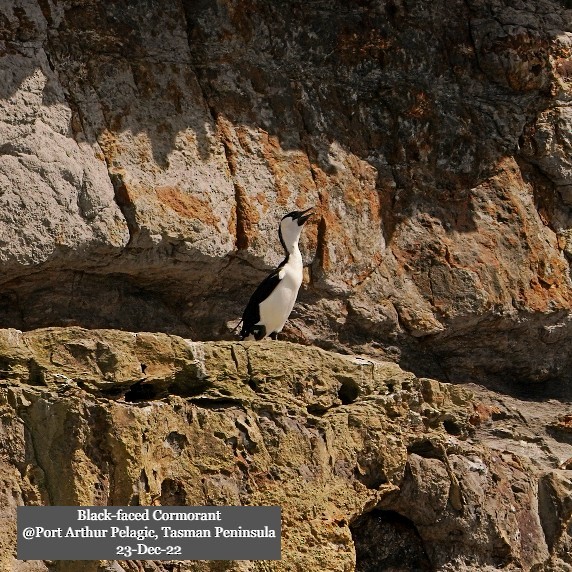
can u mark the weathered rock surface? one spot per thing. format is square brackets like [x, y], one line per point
[147, 152]
[357, 452]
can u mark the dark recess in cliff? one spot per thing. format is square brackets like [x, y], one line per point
[385, 540]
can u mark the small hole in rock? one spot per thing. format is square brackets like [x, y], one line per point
[452, 427]
[348, 392]
[177, 441]
[141, 391]
[173, 493]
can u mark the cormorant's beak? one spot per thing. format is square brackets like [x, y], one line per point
[304, 217]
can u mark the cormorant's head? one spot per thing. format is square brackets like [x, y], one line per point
[291, 227]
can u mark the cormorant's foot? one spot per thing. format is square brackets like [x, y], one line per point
[259, 332]
[274, 335]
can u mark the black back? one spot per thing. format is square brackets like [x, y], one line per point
[251, 315]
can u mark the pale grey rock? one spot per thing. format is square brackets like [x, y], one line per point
[552, 146]
[55, 192]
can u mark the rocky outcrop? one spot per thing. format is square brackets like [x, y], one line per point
[147, 153]
[357, 452]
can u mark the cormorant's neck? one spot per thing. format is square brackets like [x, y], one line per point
[293, 252]
[291, 247]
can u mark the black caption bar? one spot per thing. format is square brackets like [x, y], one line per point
[149, 533]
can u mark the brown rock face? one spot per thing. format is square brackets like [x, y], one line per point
[148, 151]
[374, 468]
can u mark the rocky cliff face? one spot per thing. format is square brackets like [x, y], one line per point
[148, 150]
[370, 464]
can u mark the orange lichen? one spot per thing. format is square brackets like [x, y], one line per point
[186, 205]
[483, 413]
[277, 166]
[243, 136]
[110, 145]
[420, 107]
[247, 218]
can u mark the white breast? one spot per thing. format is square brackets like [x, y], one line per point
[274, 311]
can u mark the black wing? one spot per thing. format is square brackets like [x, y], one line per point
[251, 315]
